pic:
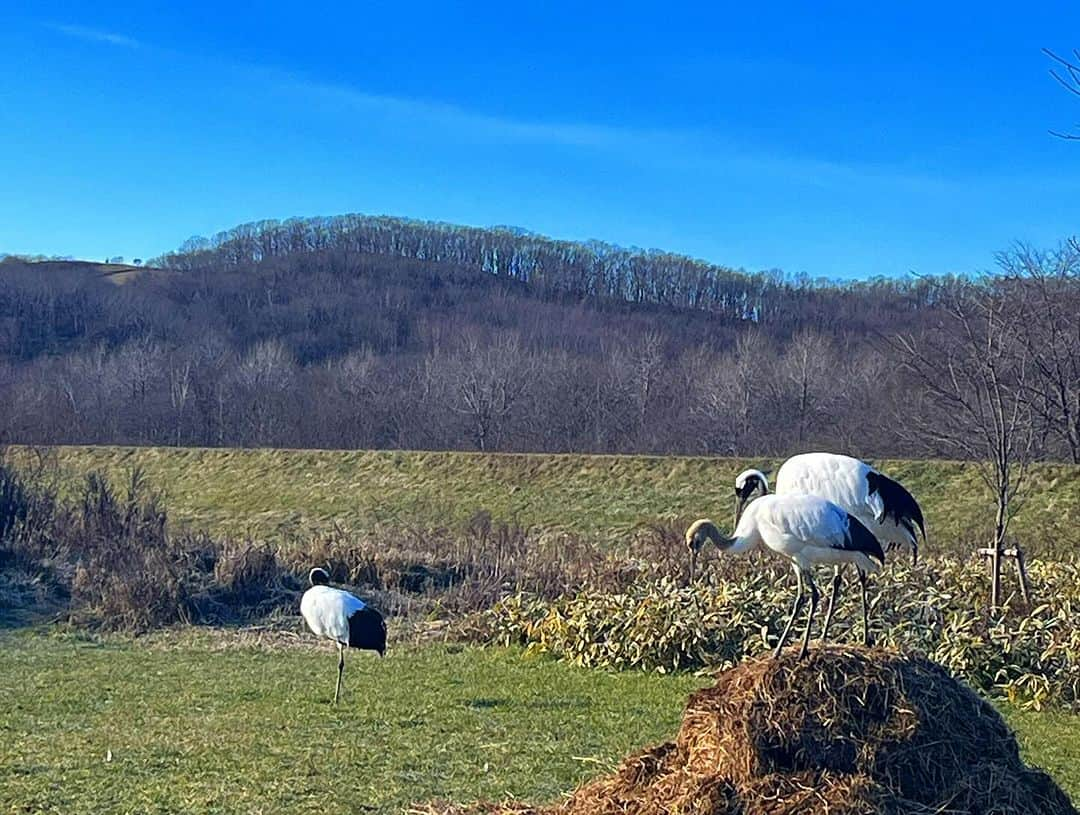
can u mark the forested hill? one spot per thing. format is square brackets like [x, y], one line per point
[369, 332]
[553, 268]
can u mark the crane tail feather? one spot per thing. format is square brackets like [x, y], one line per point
[367, 630]
[896, 502]
[861, 539]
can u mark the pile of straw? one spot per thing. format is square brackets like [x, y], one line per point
[847, 731]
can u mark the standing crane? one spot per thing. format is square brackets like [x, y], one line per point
[342, 617]
[883, 505]
[806, 529]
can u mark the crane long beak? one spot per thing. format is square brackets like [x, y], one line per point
[740, 504]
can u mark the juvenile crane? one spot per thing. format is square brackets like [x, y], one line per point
[880, 503]
[807, 530]
[343, 618]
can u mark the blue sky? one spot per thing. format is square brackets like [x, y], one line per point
[843, 141]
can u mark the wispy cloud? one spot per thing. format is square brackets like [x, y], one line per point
[680, 149]
[81, 32]
[469, 122]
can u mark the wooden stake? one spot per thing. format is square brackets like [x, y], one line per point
[995, 584]
[1021, 570]
[993, 557]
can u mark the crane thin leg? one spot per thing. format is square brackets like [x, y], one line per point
[865, 609]
[794, 613]
[810, 616]
[834, 598]
[340, 670]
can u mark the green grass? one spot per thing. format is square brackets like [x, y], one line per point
[277, 493]
[1051, 740]
[196, 727]
[251, 730]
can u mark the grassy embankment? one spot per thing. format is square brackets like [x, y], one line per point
[275, 494]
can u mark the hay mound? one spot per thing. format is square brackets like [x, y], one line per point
[847, 731]
[844, 731]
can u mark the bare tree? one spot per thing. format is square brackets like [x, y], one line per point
[972, 373]
[647, 355]
[356, 379]
[179, 393]
[262, 380]
[867, 381]
[490, 381]
[563, 404]
[733, 397]
[1048, 298]
[1067, 73]
[138, 368]
[809, 368]
[616, 398]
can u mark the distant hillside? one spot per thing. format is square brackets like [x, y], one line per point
[113, 272]
[365, 332]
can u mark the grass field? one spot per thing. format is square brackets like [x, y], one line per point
[249, 729]
[278, 493]
[198, 723]
[206, 720]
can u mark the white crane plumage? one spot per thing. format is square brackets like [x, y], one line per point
[807, 530]
[883, 506]
[342, 617]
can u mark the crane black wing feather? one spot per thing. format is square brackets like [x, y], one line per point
[861, 539]
[900, 505]
[367, 630]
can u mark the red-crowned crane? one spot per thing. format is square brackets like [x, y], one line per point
[343, 618]
[880, 503]
[807, 530]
